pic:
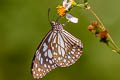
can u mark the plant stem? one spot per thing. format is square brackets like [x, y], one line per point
[117, 49]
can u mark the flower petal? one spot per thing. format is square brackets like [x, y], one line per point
[64, 3]
[68, 5]
[70, 18]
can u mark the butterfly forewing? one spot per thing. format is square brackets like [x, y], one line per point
[43, 61]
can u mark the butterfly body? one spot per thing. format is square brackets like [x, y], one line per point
[58, 48]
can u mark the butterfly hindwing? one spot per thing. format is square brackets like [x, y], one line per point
[67, 49]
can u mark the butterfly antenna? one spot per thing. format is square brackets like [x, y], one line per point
[49, 15]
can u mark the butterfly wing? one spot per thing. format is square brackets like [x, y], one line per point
[43, 61]
[58, 48]
[67, 49]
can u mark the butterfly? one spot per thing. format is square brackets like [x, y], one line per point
[58, 49]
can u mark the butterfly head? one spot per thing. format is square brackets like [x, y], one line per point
[56, 26]
[53, 23]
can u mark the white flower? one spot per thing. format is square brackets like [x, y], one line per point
[67, 5]
[69, 17]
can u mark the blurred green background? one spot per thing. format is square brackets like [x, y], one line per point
[23, 24]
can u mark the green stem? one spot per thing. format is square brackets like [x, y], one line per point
[117, 49]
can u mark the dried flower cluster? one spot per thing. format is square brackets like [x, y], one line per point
[96, 29]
